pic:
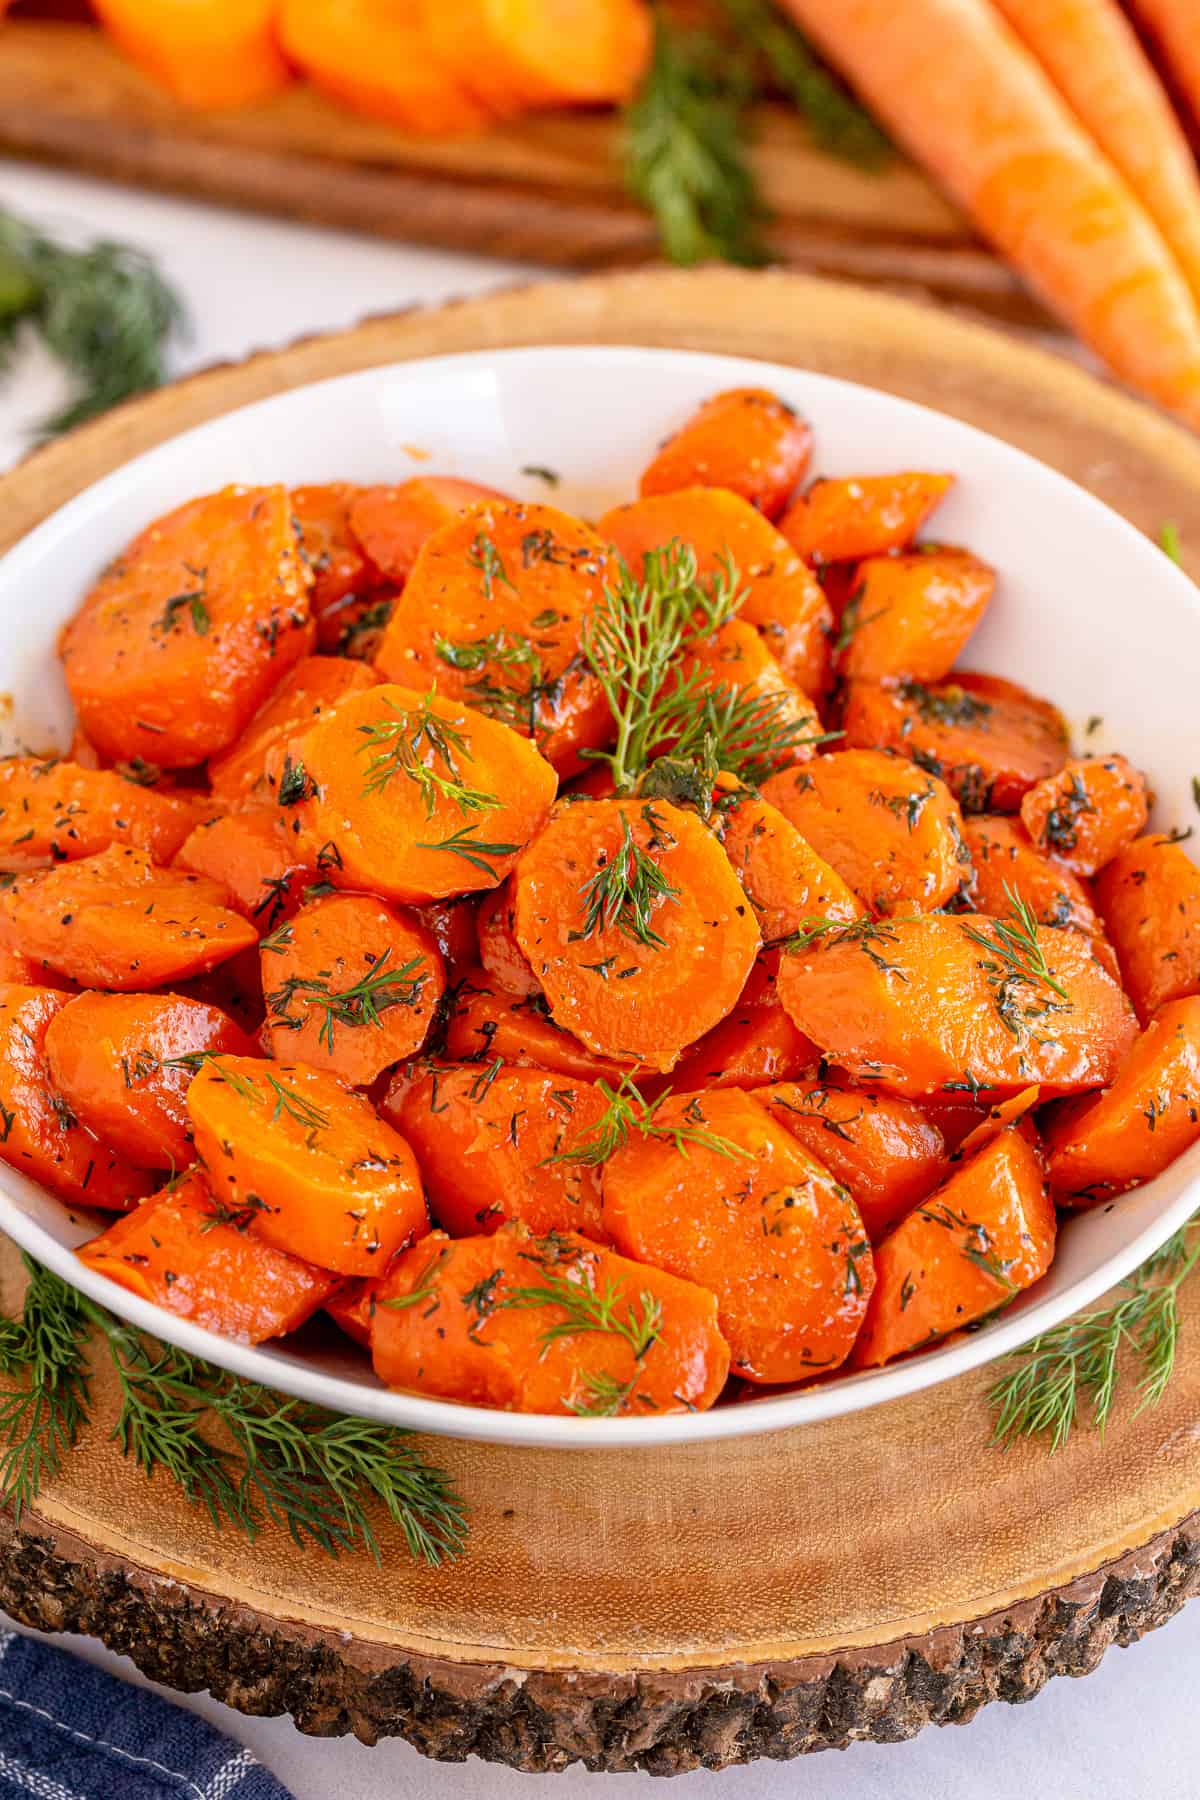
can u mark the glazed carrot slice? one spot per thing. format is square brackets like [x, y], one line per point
[209, 54]
[339, 564]
[635, 926]
[785, 880]
[251, 768]
[755, 1044]
[1139, 1125]
[861, 515]
[451, 923]
[503, 959]
[1005, 861]
[486, 1022]
[936, 1004]
[30, 971]
[1149, 899]
[987, 739]
[735, 661]
[418, 796]
[124, 1063]
[351, 986]
[745, 439]
[40, 1134]
[757, 1220]
[181, 1252]
[308, 1161]
[496, 1143]
[882, 1148]
[893, 833]
[491, 616]
[393, 523]
[375, 57]
[1088, 813]
[783, 599]
[912, 614]
[982, 1238]
[184, 636]
[255, 858]
[546, 1325]
[511, 55]
[115, 921]
[53, 812]
[352, 1307]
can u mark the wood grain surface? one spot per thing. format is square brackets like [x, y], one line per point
[697, 1605]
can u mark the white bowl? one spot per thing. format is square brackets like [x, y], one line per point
[1087, 612]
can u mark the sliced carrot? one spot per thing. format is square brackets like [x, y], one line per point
[1005, 862]
[115, 921]
[234, 988]
[960, 92]
[755, 1044]
[1086, 814]
[352, 1307]
[735, 660]
[40, 1134]
[492, 615]
[339, 564]
[745, 439]
[351, 986]
[486, 1022]
[495, 1143]
[124, 1063]
[181, 1252]
[307, 1162]
[52, 812]
[936, 1004]
[1149, 899]
[452, 926]
[912, 614]
[251, 768]
[893, 833]
[883, 1149]
[29, 971]
[209, 54]
[983, 1237]
[989, 740]
[1139, 1125]
[783, 599]
[503, 959]
[635, 926]
[785, 880]
[512, 55]
[999, 1118]
[393, 523]
[419, 797]
[759, 1221]
[375, 57]
[546, 1325]
[861, 515]
[184, 636]
[254, 856]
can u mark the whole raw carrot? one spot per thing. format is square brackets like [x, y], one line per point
[1171, 25]
[960, 92]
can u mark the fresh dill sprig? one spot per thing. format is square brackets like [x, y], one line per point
[744, 734]
[620, 895]
[603, 1395]
[626, 1112]
[287, 1101]
[837, 122]
[588, 1309]
[472, 849]
[484, 556]
[1016, 960]
[1076, 1367]
[1168, 541]
[402, 740]
[500, 650]
[361, 1003]
[284, 1460]
[105, 313]
[685, 150]
[839, 931]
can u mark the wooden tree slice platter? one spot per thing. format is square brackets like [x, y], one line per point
[695, 1605]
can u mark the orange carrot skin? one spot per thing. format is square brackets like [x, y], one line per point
[912, 1010]
[1088, 813]
[308, 1161]
[1171, 26]
[755, 1044]
[913, 614]
[177, 1251]
[885, 1150]
[503, 959]
[1149, 899]
[489, 1140]
[783, 599]
[52, 811]
[785, 880]
[337, 942]
[393, 523]
[170, 666]
[40, 1135]
[891, 832]
[987, 1233]
[560, 53]
[375, 57]
[486, 1022]
[339, 564]
[119, 1060]
[210, 56]
[443, 1326]
[863, 515]
[255, 858]
[251, 768]
[987, 739]
[770, 1232]
[681, 984]
[1139, 1125]
[116, 921]
[745, 439]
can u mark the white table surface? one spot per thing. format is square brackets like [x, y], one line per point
[1130, 1730]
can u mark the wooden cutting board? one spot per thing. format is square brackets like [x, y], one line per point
[700, 1605]
[545, 189]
